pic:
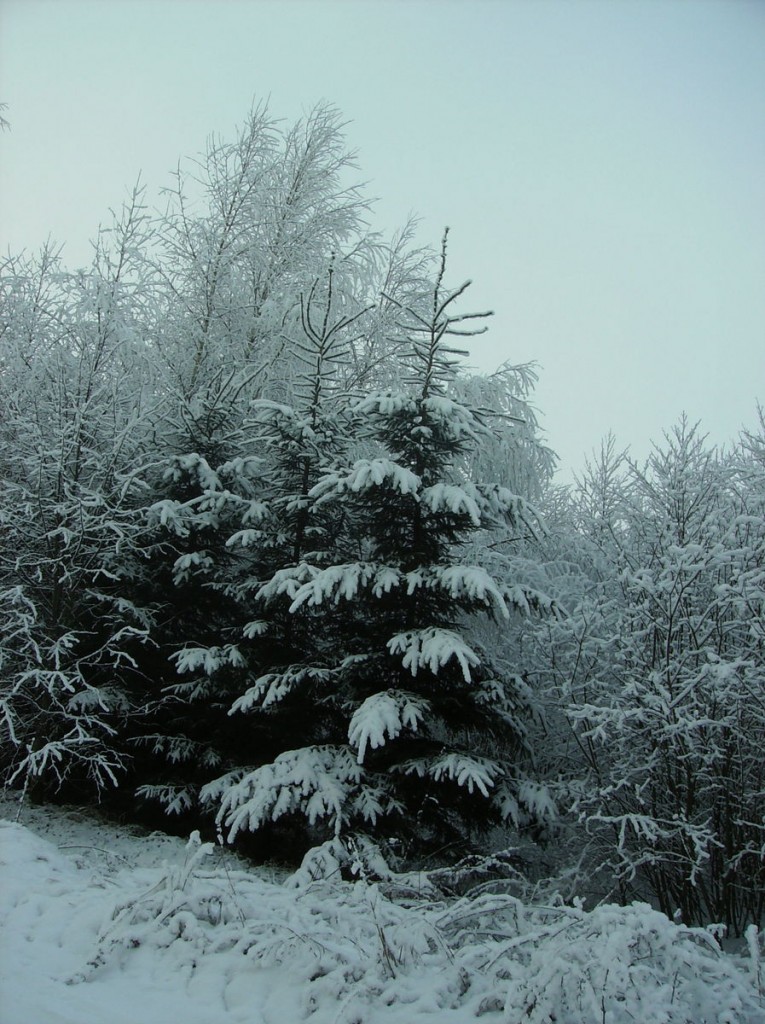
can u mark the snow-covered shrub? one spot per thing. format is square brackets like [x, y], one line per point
[656, 673]
[71, 435]
[346, 945]
[613, 964]
[195, 931]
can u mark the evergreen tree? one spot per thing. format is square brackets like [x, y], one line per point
[412, 732]
[221, 532]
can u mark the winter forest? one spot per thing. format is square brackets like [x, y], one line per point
[277, 571]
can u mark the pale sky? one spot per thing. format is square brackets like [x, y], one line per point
[601, 165]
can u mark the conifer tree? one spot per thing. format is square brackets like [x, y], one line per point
[224, 530]
[412, 733]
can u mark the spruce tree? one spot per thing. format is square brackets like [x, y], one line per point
[233, 516]
[408, 731]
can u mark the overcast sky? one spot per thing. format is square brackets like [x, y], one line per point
[601, 165]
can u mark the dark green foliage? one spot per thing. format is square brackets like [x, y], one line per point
[232, 566]
[412, 732]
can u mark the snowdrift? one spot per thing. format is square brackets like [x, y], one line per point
[103, 924]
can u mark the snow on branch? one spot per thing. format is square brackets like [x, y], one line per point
[175, 515]
[316, 781]
[433, 648]
[179, 749]
[382, 717]
[385, 403]
[287, 582]
[174, 799]
[335, 582]
[443, 497]
[475, 584]
[505, 504]
[193, 465]
[209, 659]
[452, 418]
[455, 414]
[191, 564]
[245, 538]
[366, 473]
[345, 581]
[466, 770]
[273, 687]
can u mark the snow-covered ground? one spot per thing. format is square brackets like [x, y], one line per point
[108, 925]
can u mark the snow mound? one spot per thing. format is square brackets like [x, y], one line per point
[89, 935]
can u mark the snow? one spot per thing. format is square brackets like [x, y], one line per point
[385, 403]
[474, 583]
[338, 581]
[471, 772]
[285, 581]
[103, 923]
[193, 464]
[448, 497]
[245, 538]
[273, 687]
[364, 474]
[382, 717]
[345, 581]
[433, 648]
[315, 780]
[209, 659]
[172, 514]
[184, 566]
